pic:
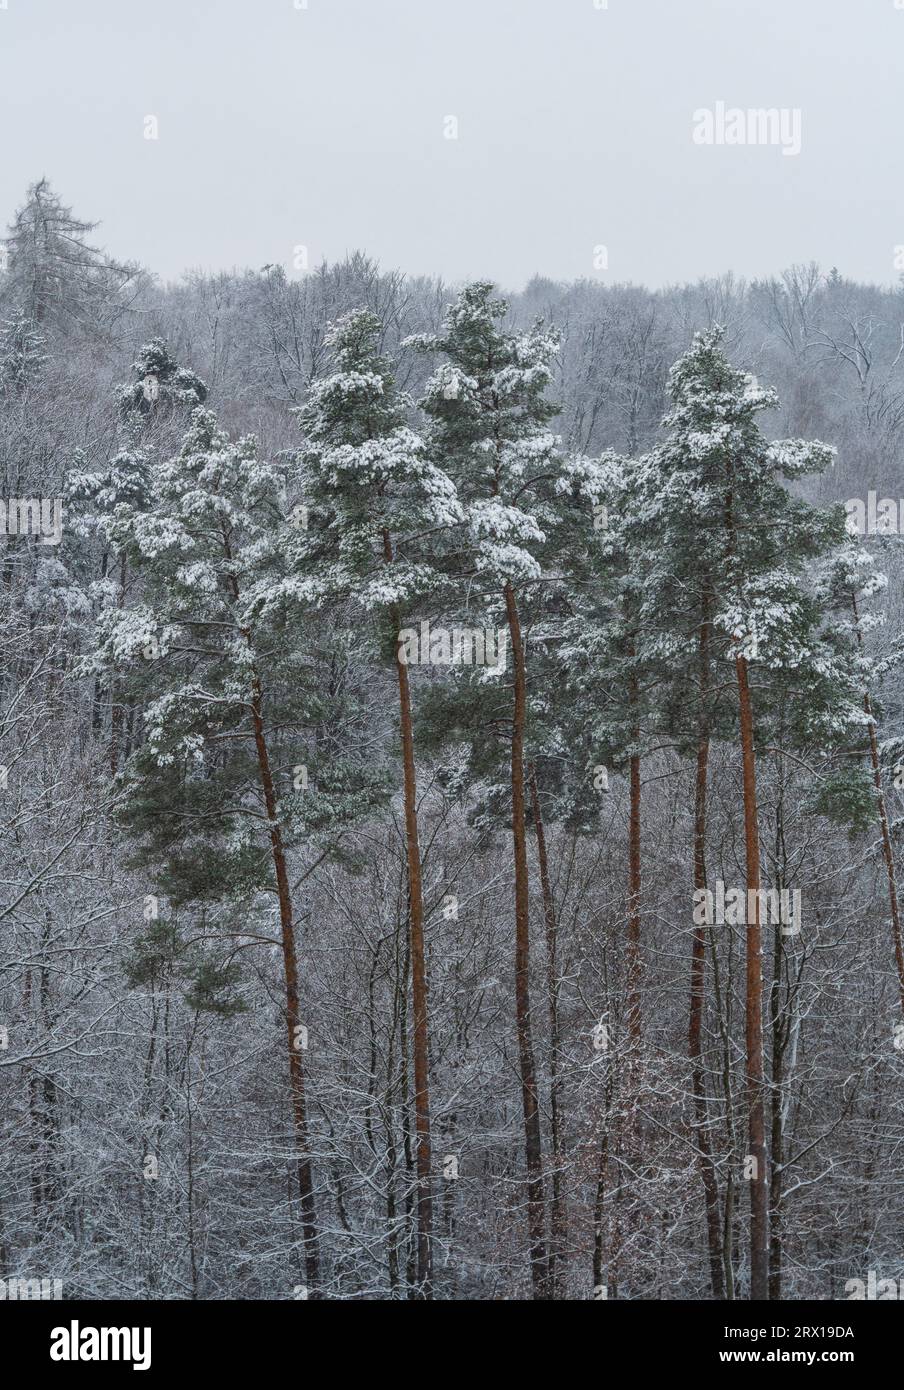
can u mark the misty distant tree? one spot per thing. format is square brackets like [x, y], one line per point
[54, 275]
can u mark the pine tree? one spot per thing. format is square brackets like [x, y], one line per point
[376, 497]
[489, 410]
[745, 543]
[471, 712]
[163, 394]
[235, 698]
[54, 275]
[612, 682]
[851, 579]
[92, 496]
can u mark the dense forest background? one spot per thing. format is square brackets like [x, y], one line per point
[150, 1139]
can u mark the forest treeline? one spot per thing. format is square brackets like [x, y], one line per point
[451, 762]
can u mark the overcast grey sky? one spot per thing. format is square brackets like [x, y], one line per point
[326, 127]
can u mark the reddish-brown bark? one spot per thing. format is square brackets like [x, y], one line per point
[420, 1027]
[418, 992]
[759, 1193]
[532, 1134]
[293, 1020]
[698, 975]
[695, 1051]
[559, 1220]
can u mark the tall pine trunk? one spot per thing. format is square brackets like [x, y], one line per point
[418, 993]
[634, 926]
[532, 1138]
[698, 969]
[559, 1220]
[293, 1021]
[756, 1118]
[634, 961]
[629, 1149]
[777, 1136]
[420, 1027]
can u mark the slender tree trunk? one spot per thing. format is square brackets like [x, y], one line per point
[782, 1024]
[634, 967]
[599, 1215]
[408, 1141]
[293, 1021]
[720, 998]
[421, 1037]
[698, 968]
[116, 707]
[191, 1231]
[695, 1051]
[779, 1039]
[559, 1216]
[887, 850]
[418, 994]
[759, 1193]
[634, 963]
[392, 1228]
[532, 1138]
[629, 1144]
